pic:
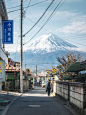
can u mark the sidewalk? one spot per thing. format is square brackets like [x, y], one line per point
[7, 100]
[37, 102]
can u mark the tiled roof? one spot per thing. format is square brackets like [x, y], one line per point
[27, 72]
[42, 75]
[11, 68]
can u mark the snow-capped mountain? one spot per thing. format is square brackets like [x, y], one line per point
[44, 51]
[49, 43]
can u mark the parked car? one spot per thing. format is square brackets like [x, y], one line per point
[44, 83]
[35, 82]
[40, 82]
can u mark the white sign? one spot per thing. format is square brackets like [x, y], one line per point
[2, 70]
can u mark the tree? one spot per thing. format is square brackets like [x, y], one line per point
[27, 70]
[26, 73]
[67, 60]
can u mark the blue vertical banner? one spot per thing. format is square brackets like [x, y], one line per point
[7, 32]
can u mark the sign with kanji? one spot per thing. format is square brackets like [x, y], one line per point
[2, 70]
[7, 32]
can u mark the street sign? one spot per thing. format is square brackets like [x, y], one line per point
[7, 32]
[2, 70]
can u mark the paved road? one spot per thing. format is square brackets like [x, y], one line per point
[36, 102]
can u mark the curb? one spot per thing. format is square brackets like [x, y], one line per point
[8, 106]
[5, 102]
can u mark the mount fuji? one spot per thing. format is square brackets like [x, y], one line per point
[49, 43]
[44, 50]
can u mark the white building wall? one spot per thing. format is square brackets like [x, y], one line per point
[3, 56]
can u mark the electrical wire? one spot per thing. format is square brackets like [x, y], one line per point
[46, 15]
[39, 18]
[75, 42]
[41, 63]
[53, 33]
[25, 1]
[13, 11]
[15, 17]
[14, 7]
[26, 7]
[43, 24]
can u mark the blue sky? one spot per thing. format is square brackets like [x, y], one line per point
[68, 22]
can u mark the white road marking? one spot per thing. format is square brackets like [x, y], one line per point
[34, 105]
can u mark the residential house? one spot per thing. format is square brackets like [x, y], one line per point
[13, 72]
[3, 16]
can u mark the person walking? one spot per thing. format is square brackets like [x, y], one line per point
[49, 87]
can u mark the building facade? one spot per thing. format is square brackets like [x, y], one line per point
[3, 16]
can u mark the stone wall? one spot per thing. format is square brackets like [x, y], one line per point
[62, 89]
[78, 94]
[17, 84]
[72, 92]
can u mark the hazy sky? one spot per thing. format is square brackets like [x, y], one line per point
[68, 22]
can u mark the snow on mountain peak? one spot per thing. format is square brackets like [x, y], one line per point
[49, 43]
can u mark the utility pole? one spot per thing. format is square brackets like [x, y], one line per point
[52, 65]
[21, 48]
[36, 72]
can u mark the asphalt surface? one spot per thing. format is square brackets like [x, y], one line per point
[4, 97]
[36, 102]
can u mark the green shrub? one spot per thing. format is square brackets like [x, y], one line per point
[76, 67]
[10, 79]
[67, 77]
[81, 76]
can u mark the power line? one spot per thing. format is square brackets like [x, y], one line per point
[43, 24]
[25, 1]
[52, 32]
[39, 18]
[15, 17]
[14, 7]
[26, 7]
[13, 11]
[48, 13]
[75, 42]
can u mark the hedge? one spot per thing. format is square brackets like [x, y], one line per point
[76, 67]
[67, 77]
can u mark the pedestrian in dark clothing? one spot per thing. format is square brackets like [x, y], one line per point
[49, 87]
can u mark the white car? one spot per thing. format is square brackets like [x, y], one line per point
[44, 83]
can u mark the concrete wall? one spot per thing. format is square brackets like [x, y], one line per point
[16, 85]
[62, 89]
[72, 92]
[78, 94]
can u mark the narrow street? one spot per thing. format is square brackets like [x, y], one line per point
[36, 102]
